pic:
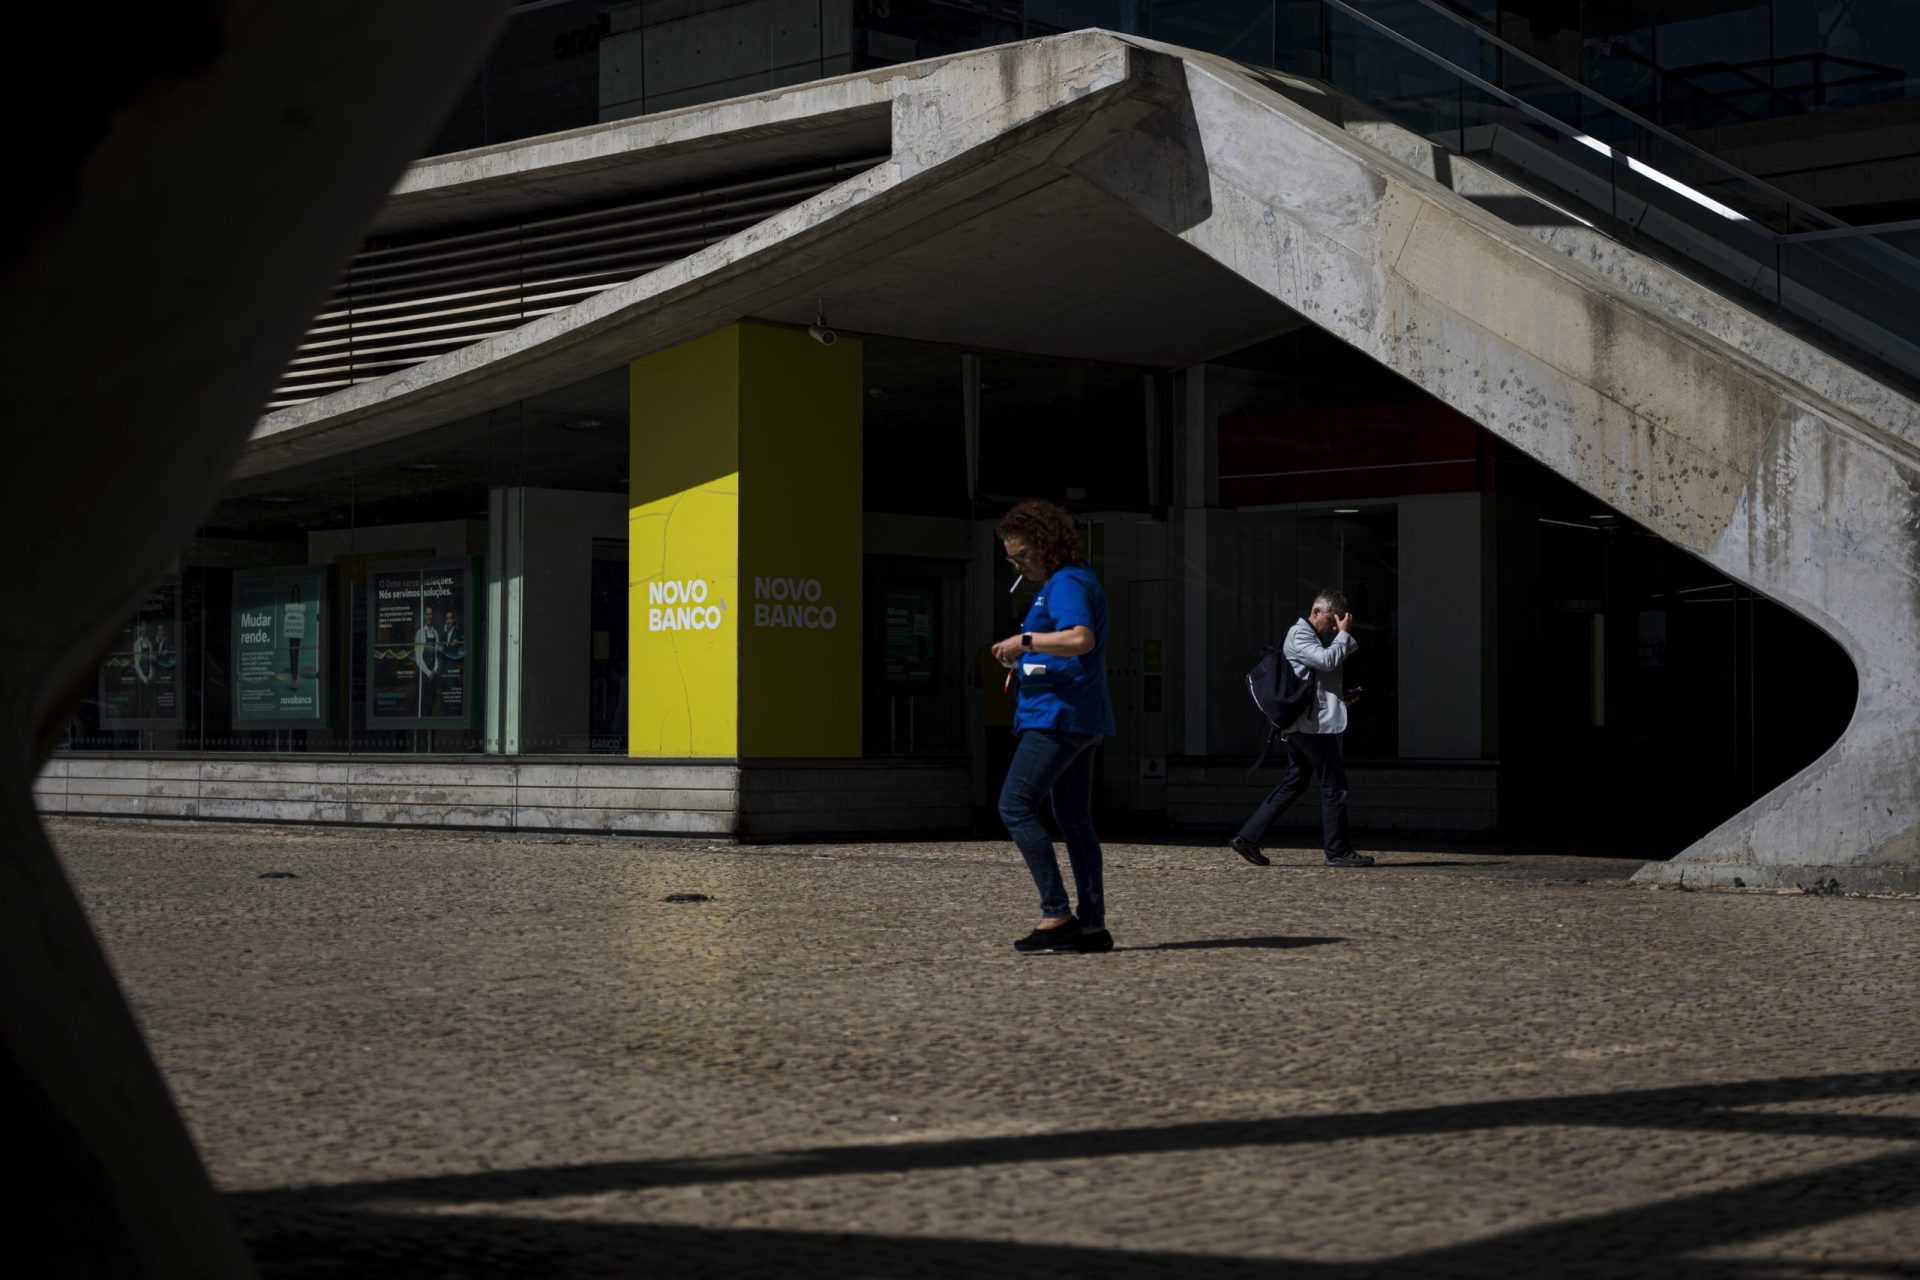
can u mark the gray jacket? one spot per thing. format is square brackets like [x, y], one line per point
[1304, 650]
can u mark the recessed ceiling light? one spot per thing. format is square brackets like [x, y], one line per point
[582, 424]
[1346, 511]
[1607, 516]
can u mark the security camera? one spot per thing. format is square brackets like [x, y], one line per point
[822, 335]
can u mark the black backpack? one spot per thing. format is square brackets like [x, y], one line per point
[1280, 693]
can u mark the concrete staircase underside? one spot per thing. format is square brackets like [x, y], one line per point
[1099, 196]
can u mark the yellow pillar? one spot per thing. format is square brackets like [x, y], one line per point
[744, 551]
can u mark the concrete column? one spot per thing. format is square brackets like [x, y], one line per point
[227, 163]
[744, 520]
[504, 599]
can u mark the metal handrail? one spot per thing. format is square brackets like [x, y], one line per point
[1486, 86]
[1481, 33]
[1834, 230]
[1842, 232]
[1775, 92]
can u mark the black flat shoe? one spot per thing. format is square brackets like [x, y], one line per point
[1350, 860]
[1060, 937]
[1090, 941]
[1250, 851]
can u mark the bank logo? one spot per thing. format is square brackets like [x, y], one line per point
[792, 602]
[681, 606]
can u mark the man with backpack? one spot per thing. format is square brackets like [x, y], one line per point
[1316, 647]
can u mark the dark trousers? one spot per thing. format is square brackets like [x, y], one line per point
[1308, 754]
[1058, 767]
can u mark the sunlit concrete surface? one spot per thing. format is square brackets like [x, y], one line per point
[411, 1053]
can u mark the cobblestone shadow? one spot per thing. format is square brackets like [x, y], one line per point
[390, 1227]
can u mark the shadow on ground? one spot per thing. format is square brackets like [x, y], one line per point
[1490, 862]
[1583, 844]
[390, 1228]
[1222, 944]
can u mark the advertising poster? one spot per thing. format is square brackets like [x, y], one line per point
[420, 660]
[281, 676]
[140, 680]
[906, 638]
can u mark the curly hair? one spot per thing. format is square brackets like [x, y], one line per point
[1047, 529]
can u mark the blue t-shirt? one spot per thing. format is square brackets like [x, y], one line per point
[1065, 694]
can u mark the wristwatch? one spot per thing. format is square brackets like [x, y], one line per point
[1026, 639]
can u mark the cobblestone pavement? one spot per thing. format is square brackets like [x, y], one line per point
[433, 1054]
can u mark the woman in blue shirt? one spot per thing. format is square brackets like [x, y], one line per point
[1059, 662]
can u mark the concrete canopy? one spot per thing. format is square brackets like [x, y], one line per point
[1063, 270]
[1093, 195]
[924, 245]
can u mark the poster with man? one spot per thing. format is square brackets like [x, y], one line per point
[419, 655]
[140, 680]
[281, 678]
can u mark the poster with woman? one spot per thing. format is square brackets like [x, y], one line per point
[281, 675]
[140, 679]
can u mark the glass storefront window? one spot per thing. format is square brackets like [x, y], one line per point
[1280, 559]
[915, 696]
[1044, 17]
[1627, 666]
[914, 424]
[562, 64]
[1239, 29]
[1075, 433]
[1078, 434]
[355, 606]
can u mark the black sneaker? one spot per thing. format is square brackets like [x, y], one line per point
[1350, 859]
[1060, 937]
[1250, 851]
[1092, 940]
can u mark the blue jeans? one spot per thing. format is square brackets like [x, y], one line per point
[1060, 766]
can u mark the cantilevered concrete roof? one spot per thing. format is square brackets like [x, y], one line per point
[975, 231]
